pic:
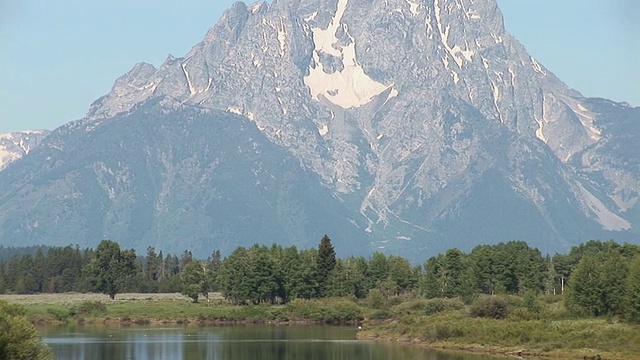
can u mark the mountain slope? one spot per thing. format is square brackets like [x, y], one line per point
[424, 121]
[178, 179]
[15, 145]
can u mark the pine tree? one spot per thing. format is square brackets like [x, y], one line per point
[632, 296]
[326, 261]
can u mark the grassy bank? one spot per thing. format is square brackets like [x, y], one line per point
[548, 331]
[176, 309]
[498, 325]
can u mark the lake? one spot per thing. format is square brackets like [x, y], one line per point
[227, 343]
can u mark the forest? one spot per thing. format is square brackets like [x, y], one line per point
[594, 279]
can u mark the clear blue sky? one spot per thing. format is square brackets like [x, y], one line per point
[56, 57]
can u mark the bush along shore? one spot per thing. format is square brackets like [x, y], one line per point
[138, 309]
[526, 326]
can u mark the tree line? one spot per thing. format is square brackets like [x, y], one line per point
[597, 278]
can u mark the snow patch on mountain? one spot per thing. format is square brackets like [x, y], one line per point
[13, 146]
[413, 7]
[349, 88]
[457, 53]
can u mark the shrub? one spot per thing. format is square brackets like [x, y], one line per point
[380, 315]
[88, 308]
[493, 307]
[58, 314]
[19, 339]
[329, 310]
[522, 314]
[375, 299]
[428, 306]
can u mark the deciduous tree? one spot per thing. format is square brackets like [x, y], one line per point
[111, 267]
[194, 280]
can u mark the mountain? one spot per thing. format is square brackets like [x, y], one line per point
[406, 126]
[15, 145]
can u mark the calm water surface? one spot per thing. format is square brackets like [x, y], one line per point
[227, 343]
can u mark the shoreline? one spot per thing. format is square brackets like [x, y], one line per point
[521, 352]
[414, 322]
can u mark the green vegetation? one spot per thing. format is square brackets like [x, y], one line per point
[507, 295]
[505, 324]
[19, 340]
[141, 309]
[195, 280]
[111, 267]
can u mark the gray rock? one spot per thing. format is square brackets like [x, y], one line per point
[423, 117]
[13, 146]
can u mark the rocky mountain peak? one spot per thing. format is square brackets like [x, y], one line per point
[425, 118]
[357, 68]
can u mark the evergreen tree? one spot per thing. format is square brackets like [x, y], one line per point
[453, 272]
[632, 295]
[326, 263]
[432, 287]
[213, 266]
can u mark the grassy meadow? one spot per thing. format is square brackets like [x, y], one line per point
[177, 309]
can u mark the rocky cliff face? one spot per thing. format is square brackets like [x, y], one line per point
[424, 117]
[15, 145]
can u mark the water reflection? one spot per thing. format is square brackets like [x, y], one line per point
[228, 343]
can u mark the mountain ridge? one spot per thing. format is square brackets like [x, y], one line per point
[408, 112]
[15, 145]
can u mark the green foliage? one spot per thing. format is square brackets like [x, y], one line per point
[90, 307]
[532, 303]
[328, 310]
[632, 296]
[250, 276]
[596, 274]
[493, 307]
[326, 263]
[377, 270]
[598, 285]
[111, 268]
[59, 314]
[428, 306]
[19, 340]
[375, 299]
[194, 279]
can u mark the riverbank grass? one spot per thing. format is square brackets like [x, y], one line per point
[514, 329]
[507, 325]
[142, 309]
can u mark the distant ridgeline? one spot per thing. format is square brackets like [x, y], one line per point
[278, 275]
